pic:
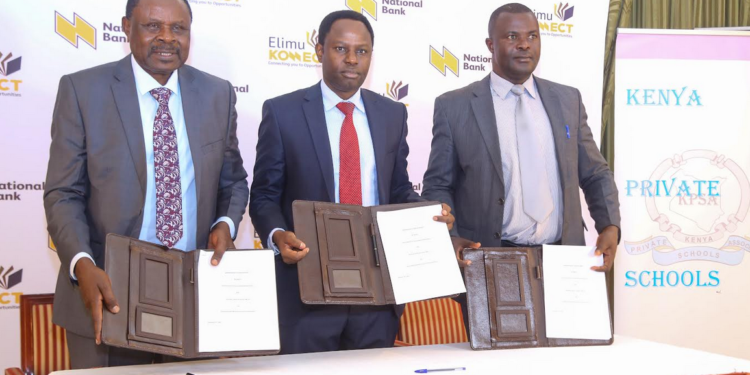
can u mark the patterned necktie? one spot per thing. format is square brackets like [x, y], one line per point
[166, 172]
[537, 197]
[350, 182]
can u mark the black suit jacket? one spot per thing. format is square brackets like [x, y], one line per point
[293, 161]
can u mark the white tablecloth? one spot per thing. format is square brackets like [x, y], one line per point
[625, 356]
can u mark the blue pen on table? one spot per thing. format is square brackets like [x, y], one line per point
[567, 131]
[426, 370]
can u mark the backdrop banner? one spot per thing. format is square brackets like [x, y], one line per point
[265, 48]
[682, 114]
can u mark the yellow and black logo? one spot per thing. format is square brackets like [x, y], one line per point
[397, 91]
[9, 87]
[51, 244]
[291, 52]
[369, 7]
[389, 7]
[73, 31]
[312, 38]
[443, 61]
[9, 279]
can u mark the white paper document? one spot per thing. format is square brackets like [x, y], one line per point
[237, 302]
[420, 254]
[575, 297]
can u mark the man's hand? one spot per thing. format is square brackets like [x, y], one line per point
[606, 244]
[447, 217]
[219, 240]
[95, 289]
[292, 250]
[459, 244]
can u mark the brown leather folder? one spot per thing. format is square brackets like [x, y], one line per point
[346, 264]
[505, 298]
[157, 291]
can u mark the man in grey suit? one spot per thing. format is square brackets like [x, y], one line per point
[509, 152]
[144, 147]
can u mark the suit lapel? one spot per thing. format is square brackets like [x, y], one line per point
[316, 121]
[126, 99]
[484, 112]
[378, 134]
[551, 102]
[191, 108]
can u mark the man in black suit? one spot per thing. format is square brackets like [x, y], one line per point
[331, 142]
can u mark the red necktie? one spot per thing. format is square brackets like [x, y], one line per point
[350, 182]
[166, 173]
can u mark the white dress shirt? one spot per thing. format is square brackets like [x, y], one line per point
[518, 227]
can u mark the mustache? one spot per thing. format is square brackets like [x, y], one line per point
[164, 48]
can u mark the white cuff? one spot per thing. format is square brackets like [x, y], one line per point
[229, 222]
[75, 260]
[270, 241]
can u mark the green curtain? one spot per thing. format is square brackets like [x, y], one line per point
[656, 14]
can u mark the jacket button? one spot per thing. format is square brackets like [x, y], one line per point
[501, 201]
[497, 234]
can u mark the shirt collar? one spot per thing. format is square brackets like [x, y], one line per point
[502, 86]
[330, 99]
[145, 83]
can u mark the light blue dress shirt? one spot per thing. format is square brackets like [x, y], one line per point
[144, 83]
[334, 122]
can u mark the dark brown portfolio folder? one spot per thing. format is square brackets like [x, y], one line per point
[346, 264]
[505, 297]
[157, 291]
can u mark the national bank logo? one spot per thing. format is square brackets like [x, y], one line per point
[50, 244]
[242, 89]
[12, 191]
[368, 7]
[556, 23]
[443, 62]
[698, 201]
[9, 277]
[293, 52]
[8, 66]
[73, 31]
[390, 7]
[447, 61]
[397, 91]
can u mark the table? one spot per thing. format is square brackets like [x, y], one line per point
[626, 356]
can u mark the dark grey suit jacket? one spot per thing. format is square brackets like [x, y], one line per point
[465, 170]
[96, 178]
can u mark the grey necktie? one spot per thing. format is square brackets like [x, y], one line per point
[537, 198]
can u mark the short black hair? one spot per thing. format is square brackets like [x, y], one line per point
[133, 3]
[515, 8]
[327, 23]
